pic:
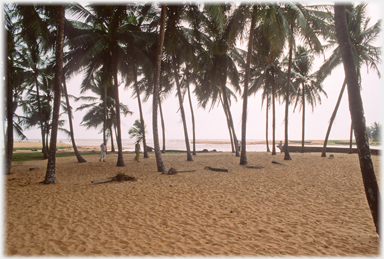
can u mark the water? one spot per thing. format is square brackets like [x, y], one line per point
[179, 144]
[172, 144]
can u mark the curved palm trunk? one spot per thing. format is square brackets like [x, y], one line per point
[120, 159]
[141, 113]
[357, 114]
[159, 160]
[80, 159]
[50, 176]
[189, 155]
[193, 122]
[273, 115]
[162, 126]
[243, 157]
[226, 106]
[286, 154]
[303, 121]
[228, 124]
[323, 153]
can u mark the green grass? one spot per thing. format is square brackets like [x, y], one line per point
[21, 157]
[38, 148]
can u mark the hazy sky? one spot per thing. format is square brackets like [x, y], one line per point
[212, 124]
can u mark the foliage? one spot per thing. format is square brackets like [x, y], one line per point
[374, 132]
[135, 131]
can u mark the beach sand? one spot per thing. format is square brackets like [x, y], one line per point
[311, 206]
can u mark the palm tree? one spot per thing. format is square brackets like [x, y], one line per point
[99, 47]
[180, 50]
[101, 109]
[159, 160]
[243, 157]
[222, 32]
[300, 20]
[34, 31]
[357, 113]
[310, 89]
[267, 73]
[136, 131]
[80, 159]
[14, 79]
[137, 91]
[362, 37]
[50, 176]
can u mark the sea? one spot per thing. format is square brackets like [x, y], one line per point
[179, 144]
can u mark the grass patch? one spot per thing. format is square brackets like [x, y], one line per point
[21, 157]
[38, 148]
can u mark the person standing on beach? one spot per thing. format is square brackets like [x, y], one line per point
[280, 146]
[103, 151]
[239, 145]
[137, 150]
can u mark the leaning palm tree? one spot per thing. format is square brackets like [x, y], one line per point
[180, 49]
[310, 88]
[357, 114]
[80, 159]
[363, 36]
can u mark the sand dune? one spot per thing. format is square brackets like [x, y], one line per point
[312, 206]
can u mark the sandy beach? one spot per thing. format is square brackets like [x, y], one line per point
[310, 206]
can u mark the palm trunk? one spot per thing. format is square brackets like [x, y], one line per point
[357, 114]
[80, 159]
[243, 157]
[266, 111]
[162, 125]
[286, 154]
[189, 155]
[105, 117]
[9, 135]
[266, 126]
[46, 137]
[159, 160]
[120, 159]
[323, 153]
[50, 176]
[193, 122]
[228, 124]
[141, 113]
[273, 115]
[112, 145]
[44, 149]
[303, 121]
[226, 106]
[350, 139]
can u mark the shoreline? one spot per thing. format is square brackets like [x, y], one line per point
[65, 147]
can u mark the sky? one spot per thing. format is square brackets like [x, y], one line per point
[211, 124]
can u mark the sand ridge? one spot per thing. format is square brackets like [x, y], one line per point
[312, 206]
